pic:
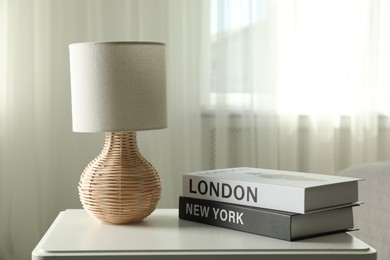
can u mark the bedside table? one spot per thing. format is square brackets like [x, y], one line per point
[76, 235]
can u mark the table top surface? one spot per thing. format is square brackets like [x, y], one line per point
[76, 232]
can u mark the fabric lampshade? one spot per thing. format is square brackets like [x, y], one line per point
[118, 86]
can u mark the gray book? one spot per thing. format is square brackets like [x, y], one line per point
[276, 224]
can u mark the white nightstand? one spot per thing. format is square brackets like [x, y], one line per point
[76, 235]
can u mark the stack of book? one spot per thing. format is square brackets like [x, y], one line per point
[279, 204]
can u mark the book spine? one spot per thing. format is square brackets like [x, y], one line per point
[250, 220]
[276, 197]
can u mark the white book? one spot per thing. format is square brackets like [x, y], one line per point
[272, 189]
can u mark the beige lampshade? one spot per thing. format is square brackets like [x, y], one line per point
[118, 86]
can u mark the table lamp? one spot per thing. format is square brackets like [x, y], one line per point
[118, 88]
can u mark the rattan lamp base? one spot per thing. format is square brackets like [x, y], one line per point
[120, 186]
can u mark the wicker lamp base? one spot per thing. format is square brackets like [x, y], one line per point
[120, 185]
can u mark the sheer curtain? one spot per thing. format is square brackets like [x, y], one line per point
[41, 159]
[297, 85]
